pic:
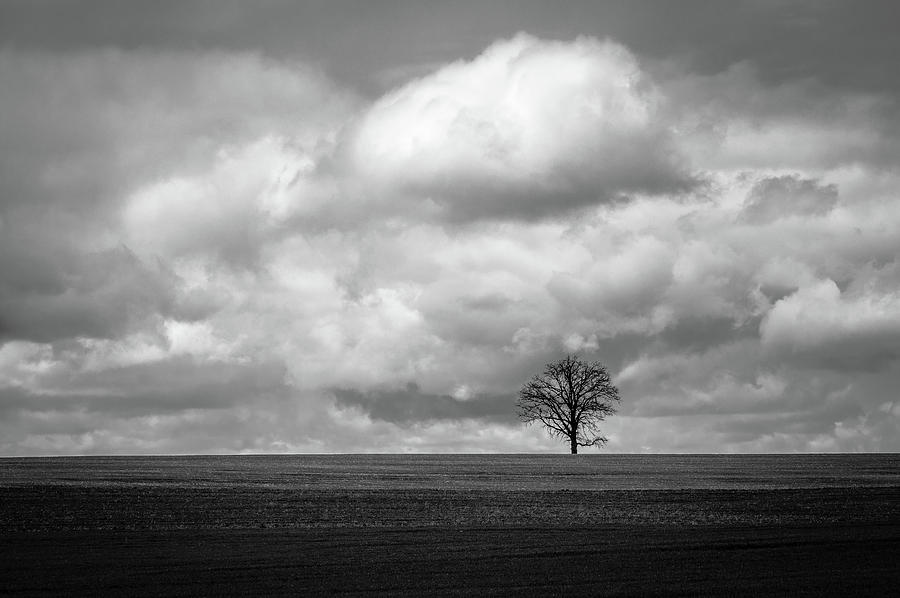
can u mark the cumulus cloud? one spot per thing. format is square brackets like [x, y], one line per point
[111, 159]
[830, 329]
[526, 129]
[217, 251]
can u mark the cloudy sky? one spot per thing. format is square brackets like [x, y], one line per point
[332, 226]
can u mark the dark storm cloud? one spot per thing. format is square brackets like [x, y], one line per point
[697, 334]
[177, 405]
[816, 408]
[482, 320]
[168, 387]
[410, 405]
[48, 293]
[849, 44]
[777, 197]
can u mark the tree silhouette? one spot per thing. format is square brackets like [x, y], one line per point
[570, 398]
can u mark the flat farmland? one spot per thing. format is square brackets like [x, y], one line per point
[450, 525]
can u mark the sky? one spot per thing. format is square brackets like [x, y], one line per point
[335, 226]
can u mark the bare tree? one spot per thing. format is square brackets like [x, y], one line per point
[570, 398]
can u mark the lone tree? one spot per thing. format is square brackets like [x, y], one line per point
[570, 398]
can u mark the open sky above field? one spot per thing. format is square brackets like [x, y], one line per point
[328, 226]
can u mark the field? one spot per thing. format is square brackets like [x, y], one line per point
[451, 525]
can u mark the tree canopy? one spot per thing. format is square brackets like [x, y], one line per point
[570, 398]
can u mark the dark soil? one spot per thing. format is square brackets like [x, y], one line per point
[50, 507]
[616, 560]
[155, 540]
[450, 525]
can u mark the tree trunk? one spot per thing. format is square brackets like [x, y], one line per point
[573, 444]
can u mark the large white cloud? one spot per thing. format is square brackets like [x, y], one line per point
[527, 128]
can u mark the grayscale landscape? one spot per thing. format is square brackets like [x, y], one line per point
[449, 297]
[420, 525]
